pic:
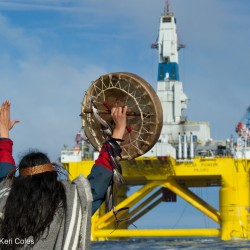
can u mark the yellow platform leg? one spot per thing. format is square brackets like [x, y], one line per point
[234, 204]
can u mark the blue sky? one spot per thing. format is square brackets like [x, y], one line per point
[50, 51]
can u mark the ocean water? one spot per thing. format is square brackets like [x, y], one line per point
[171, 244]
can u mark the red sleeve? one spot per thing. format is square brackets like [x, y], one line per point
[6, 151]
[7, 163]
[103, 158]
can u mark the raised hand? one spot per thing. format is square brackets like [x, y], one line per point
[5, 124]
[119, 117]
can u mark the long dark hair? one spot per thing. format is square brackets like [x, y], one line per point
[32, 202]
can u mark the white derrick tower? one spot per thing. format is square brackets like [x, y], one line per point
[169, 89]
[177, 133]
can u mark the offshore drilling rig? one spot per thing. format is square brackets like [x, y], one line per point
[182, 156]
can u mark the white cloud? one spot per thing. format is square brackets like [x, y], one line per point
[59, 6]
[47, 97]
[45, 90]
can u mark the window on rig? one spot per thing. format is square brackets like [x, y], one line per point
[166, 19]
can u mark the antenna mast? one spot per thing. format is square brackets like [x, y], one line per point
[167, 4]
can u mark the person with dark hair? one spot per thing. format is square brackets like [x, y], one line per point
[38, 211]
